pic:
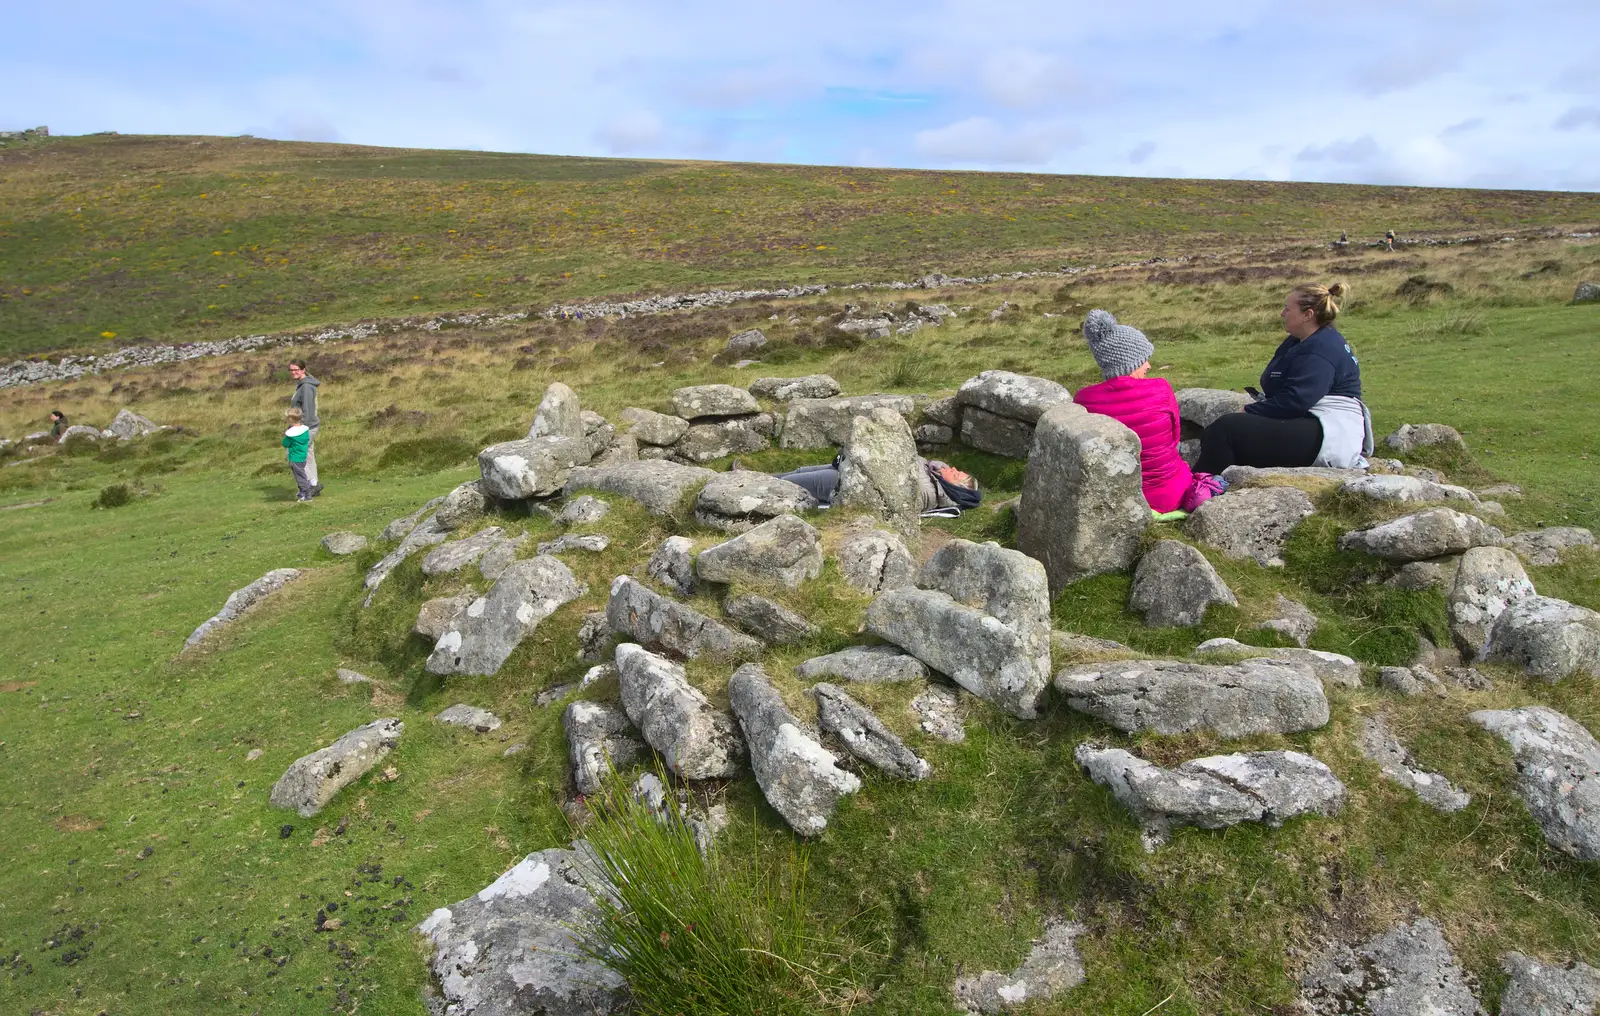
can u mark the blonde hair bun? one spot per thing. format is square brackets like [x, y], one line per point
[1322, 301]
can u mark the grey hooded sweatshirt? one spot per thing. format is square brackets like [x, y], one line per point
[305, 397]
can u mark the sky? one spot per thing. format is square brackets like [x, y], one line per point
[1459, 93]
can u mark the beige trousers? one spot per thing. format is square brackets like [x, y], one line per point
[311, 456]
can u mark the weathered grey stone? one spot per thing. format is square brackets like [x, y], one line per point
[799, 777]
[1201, 407]
[875, 561]
[697, 402]
[826, 423]
[1407, 971]
[945, 412]
[1174, 584]
[747, 341]
[341, 544]
[558, 415]
[1587, 292]
[785, 389]
[704, 442]
[864, 736]
[471, 717]
[567, 542]
[1405, 489]
[500, 556]
[864, 665]
[1547, 637]
[1549, 546]
[785, 550]
[657, 622]
[652, 428]
[1410, 681]
[1294, 620]
[437, 614]
[1252, 522]
[594, 637]
[1412, 436]
[1214, 792]
[1331, 668]
[1426, 534]
[599, 739]
[1267, 476]
[583, 510]
[1053, 966]
[740, 500]
[936, 434]
[311, 781]
[997, 435]
[660, 486]
[1015, 396]
[1439, 572]
[1083, 508]
[534, 467]
[1255, 696]
[451, 557]
[672, 565]
[1488, 581]
[878, 470]
[80, 431]
[481, 637]
[1558, 773]
[462, 505]
[241, 600]
[1538, 988]
[128, 425]
[1071, 647]
[938, 712]
[399, 528]
[515, 946]
[1189, 451]
[767, 620]
[347, 676]
[697, 740]
[1380, 745]
[425, 534]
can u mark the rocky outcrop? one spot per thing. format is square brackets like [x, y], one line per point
[864, 665]
[767, 620]
[864, 736]
[481, 637]
[241, 600]
[825, 423]
[451, 557]
[1252, 522]
[436, 615]
[1380, 745]
[740, 500]
[697, 740]
[1053, 967]
[1547, 637]
[1214, 792]
[1331, 668]
[878, 471]
[1174, 585]
[500, 556]
[1411, 436]
[785, 550]
[1426, 534]
[532, 467]
[1083, 509]
[658, 485]
[657, 622]
[312, 780]
[798, 777]
[1407, 971]
[343, 544]
[697, 402]
[1488, 580]
[672, 565]
[1258, 696]
[583, 510]
[1549, 546]
[651, 428]
[786, 389]
[515, 946]
[599, 739]
[705, 441]
[471, 717]
[1558, 773]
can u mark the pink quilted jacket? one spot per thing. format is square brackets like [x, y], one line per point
[1147, 407]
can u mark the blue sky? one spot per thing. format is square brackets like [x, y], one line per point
[1460, 93]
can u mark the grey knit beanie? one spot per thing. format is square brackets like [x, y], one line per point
[1118, 349]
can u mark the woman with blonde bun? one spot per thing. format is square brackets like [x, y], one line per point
[1309, 410]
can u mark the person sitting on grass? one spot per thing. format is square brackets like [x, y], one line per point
[1147, 406]
[298, 439]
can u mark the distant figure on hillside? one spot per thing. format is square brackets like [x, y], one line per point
[58, 423]
[1388, 241]
[1309, 410]
[1148, 407]
[297, 439]
[305, 400]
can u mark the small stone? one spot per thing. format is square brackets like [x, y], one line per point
[864, 736]
[341, 544]
[864, 665]
[583, 510]
[658, 622]
[559, 414]
[1549, 989]
[1548, 547]
[876, 561]
[567, 542]
[785, 389]
[1488, 580]
[697, 402]
[471, 717]
[785, 550]
[1558, 773]
[938, 709]
[1547, 637]
[741, 500]
[652, 428]
[672, 565]
[747, 341]
[436, 615]
[1426, 534]
[1332, 668]
[600, 738]
[1053, 966]
[1174, 584]
[312, 780]
[253, 754]
[1394, 761]
[1294, 620]
[461, 506]
[1409, 681]
[351, 676]
[1407, 971]
[1253, 522]
[768, 620]
[241, 600]
[449, 558]
[1412, 436]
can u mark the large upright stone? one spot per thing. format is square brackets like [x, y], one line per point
[1174, 584]
[825, 423]
[1488, 580]
[1426, 534]
[1547, 637]
[785, 550]
[312, 780]
[1257, 696]
[697, 740]
[658, 485]
[799, 777]
[657, 622]
[534, 467]
[1558, 773]
[697, 402]
[1083, 508]
[878, 470]
[558, 415]
[461, 506]
[1015, 396]
[1253, 522]
[482, 636]
[741, 500]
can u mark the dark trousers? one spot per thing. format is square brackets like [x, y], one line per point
[300, 478]
[820, 481]
[1245, 439]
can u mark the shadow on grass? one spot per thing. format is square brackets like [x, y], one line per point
[276, 492]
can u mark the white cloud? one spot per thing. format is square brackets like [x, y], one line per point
[1025, 78]
[980, 140]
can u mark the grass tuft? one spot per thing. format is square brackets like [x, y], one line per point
[113, 496]
[427, 454]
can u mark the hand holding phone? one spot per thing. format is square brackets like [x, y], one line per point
[1254, 393]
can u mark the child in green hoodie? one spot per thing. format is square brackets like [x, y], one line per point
[298, 439]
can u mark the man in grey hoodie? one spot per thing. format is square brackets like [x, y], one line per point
[305, 399]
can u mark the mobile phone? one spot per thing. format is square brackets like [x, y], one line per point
[1252, 392]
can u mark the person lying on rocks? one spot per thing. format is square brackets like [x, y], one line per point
[946, 491]
[1309, 410]
[1147, 406]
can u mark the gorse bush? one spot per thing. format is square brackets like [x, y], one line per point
[114, 496]
[695, 933]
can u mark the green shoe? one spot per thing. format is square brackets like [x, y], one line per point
[1172, 516]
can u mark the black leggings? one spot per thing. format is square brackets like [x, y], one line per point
[1245, 439]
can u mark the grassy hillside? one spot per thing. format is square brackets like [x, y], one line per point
[107, 240]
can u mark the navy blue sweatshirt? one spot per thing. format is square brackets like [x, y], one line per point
[1302, 371]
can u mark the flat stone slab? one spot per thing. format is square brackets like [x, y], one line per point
[482, 636]
[532, 467]
[1407, 971]
[1256, 696]
[696, 740]
[1404, 489]
[1538, 988]
[825, 423]
[864, 736]
[1332, 668]
[514, 947]
[696, 402]
[1016, 396]
[767, 620]
[1549, 546]
[426, 533]
[341, 544]
[865, 665]
[1053, 967]
[451, 557]
[741, 500]
[799, 777]
[652, 428]
[657, 484]
[1558, 773]
[977, 651]
[470, 717]
[312, 780]
[1380, 745]
[1426, 534]
[785, 551]
[1253, 476]
[1204, 406]
[785, 389]
[567, 542]
[657, 622]
[241, 600]
[708, 440]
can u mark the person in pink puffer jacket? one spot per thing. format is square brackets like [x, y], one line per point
[1146, 406]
